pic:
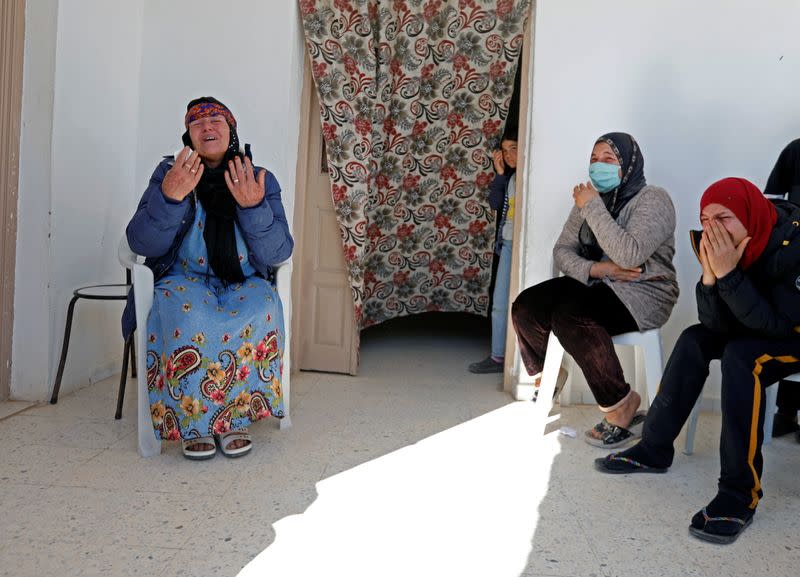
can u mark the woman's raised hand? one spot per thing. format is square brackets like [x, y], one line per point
[184, 175]
[709, 279]
[610, 269]
[499, 163]
[247, 190]
[583, 193]
[721, 254]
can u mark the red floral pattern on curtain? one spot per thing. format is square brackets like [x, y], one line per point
[413, 98]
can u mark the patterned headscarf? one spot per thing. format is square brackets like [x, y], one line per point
[208, 107]
[631, 161]
[753, 209]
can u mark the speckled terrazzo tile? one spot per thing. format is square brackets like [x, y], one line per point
[625, 499]
[43, 464]
[96, 407]
[168, 472]
[196, 563]
[243, 518]
[758, 552]
[8, 408]
[560, 547]
[81, 515]
[651, 549]
[90, 434]
[90, 559]
[21, 429]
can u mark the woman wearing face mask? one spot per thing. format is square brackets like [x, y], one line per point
[616, 253]
[748, 305]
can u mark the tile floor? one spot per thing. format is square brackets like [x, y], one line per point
[415, 467]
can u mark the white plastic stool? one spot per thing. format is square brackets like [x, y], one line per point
[771, 406]
[649, 360]
[648, 366]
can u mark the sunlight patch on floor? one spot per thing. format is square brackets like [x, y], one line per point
[462, 502]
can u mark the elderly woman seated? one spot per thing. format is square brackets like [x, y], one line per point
[210, 225]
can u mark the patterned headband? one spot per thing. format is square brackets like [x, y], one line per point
[204, 109]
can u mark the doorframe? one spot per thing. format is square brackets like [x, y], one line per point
[524, 194]
[307, 159]
[298, 220]
[12, 46]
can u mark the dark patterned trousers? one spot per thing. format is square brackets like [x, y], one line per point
[584, 318]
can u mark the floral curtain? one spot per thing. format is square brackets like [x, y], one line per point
[413, 98]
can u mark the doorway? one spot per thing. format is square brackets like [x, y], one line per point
[12, 42]
[324, 316]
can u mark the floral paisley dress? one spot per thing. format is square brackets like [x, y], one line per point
[214, 354]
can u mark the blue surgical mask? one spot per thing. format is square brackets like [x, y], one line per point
[605, 176]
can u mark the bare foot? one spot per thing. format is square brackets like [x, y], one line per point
[621, 417]
[197, 447]
[238, 443]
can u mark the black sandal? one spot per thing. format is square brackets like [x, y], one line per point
[612, 436]
[617, 465]
[599, 428]
[727, 529]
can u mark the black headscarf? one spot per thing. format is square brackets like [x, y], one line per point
[785, 177]
[631, 161]
[220, 207]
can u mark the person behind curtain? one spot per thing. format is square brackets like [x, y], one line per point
[616, 251]
[502, 193]
[784, 181]
[211, 225]
[749, 310]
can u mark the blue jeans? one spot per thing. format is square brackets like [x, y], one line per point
[500, 300]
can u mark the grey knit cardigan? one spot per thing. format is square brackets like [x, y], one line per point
[643, 235]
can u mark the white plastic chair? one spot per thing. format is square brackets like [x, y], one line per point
[771, 406]
[648, 363]
[143, 288]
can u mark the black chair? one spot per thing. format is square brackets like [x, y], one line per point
[100, 292]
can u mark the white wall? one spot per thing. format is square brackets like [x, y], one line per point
[248, 55]
[709, 89]
[106, 86]
[79, 138]
[32, 334]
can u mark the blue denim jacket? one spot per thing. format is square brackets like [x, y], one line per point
[160, 224]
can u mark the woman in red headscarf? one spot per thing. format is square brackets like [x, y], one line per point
[748, 303]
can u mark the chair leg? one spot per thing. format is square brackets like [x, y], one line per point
[554, 356]
[133, 356]
[64, 349]
[691, 428]
[653, 367]
[770, 406]
[123, 376]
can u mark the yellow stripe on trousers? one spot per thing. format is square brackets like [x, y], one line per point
[751, 451]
